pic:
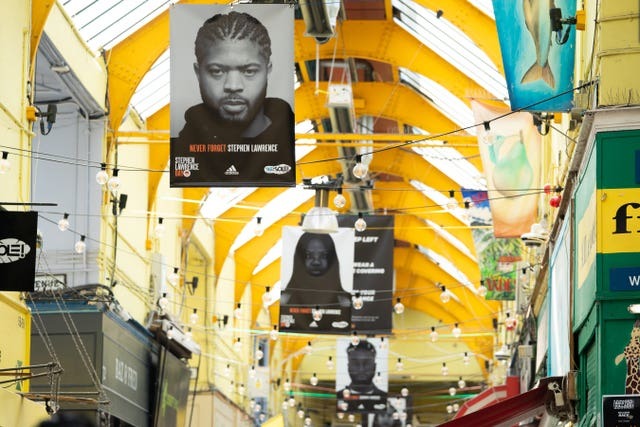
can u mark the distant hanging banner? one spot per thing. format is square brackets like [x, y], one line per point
[537, 64]
[232, 91]
[510, 152]
[18, 231]
[373, 273]
[497, 257]
[316, 281]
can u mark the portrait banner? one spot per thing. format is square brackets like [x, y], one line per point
[18, 231]
[538, 62]
[510, 153]
[372, 273]
[232, 91]
[316, 281]
[362, 378]
[399, 413]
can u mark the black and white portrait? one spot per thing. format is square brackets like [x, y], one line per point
[232, 121]
[316, 280]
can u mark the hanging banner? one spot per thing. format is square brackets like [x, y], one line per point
[232, 91]
[316, 281]
[538, 62]
[372, 273]
[510, 152]
[362, 379]
[18, 231]
[497, 257]
[399, 413]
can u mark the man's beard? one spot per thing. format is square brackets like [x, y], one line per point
[245, 117]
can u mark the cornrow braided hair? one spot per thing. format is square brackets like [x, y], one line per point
[234, 25]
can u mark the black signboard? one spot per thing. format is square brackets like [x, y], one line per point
[372, 273]
[18, 232]
[172, 390]
[621, 410]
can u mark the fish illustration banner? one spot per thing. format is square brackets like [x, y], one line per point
[18, 232]
[373, 273]
[510, 152]
[316, 281]
[232, 91]
[538, 62]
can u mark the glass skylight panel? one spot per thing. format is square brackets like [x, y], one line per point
[450, 43]
[449, 104]
[485, 6]
[153, 91]
[104, 23]
[446, 265]
[436, 196]
[450, 238]
[277, 208]
[450, 162]
[222, 199]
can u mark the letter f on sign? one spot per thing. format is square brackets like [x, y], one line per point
[622, 217]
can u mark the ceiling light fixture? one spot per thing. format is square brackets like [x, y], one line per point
[80, 245]
[321, 219]
[360, 225]
[193, 317]
[102, 176]
[273, 334]
[63, 224]
[398, 307]
[259, 230]
[445, 296]
[114, 181]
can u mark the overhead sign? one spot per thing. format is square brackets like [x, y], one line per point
[317, 281]
[232, 91]
[620, 410]
[18, 232]
[538, 62]
[372, 273]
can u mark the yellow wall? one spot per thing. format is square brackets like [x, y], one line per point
[18, 411]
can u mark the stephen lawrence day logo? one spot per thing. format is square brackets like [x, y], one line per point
[12, 250]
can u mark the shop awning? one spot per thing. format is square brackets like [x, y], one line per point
[509, 411]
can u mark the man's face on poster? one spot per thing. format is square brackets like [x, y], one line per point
[362, 367]
[233, 79]
[316, 257]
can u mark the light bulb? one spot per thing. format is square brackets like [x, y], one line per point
[399, 307]
[300, 413]
[449, 409]
[340, 415]
[452, 203]
[399, 364]
[114, 181]
[346, 393]
[355, 339]
[237, 346]
[170, 333]
[433, 334]
[383, 343]
[510, 322]
[237, 313]
[193, 317]
[339, 201]
[252, 372]
[227, 370]
[158, 231]
[257, 407]
[357, 301]
[465, 358]
[163, 302]
[456, 407]
[395, 416]
[5, 164]
[452, 391]
[307, 421]
[189, 333]
[287, 385]
[316, 313]
[63, 224]
[445, 370]
[343, 406]
[273, 334]
[360, 225]
[404, 392]
[173, 277]
[241, 389]
[259, 230]
[445, 296]
[292, 402]
[308, 349]
[80, 245]
[102, 176]
[456, 331]
[252, 404]
[360, 169]
[403, 416]
[266, 297]
[285, 405]
[462, 383]
[330, 363]
[259, 353]
[314, 379]
[262, 416]
[351, 418]
[482, 290]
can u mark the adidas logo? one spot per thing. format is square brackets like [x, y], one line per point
[231, 171]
